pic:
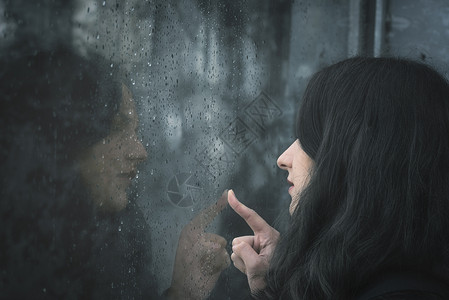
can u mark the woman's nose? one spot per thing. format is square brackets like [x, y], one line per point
[285, 159]
[138, 151]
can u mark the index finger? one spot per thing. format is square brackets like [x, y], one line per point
[207, 215]
[251, 218]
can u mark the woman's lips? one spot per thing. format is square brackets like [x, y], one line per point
[291, 186]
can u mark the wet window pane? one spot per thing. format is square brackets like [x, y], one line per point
[122, 123]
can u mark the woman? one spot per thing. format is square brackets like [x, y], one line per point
[369, 181]
[69, 152]
[57, 109]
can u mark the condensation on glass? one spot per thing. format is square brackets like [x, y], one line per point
[160, 107]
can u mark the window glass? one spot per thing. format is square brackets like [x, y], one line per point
[123, 120]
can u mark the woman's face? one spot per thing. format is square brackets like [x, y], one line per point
[298, 164]
[108, 166]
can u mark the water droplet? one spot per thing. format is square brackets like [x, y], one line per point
[112, 65]
[120, 228]
[98, 36]
[104, 3]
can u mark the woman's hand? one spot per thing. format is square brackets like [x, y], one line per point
[200, 257]
[252, 254]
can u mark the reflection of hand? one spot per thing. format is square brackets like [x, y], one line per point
[200, 257]
[252, 254]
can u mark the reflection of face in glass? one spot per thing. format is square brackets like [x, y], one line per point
[298, 164]
[109, 165]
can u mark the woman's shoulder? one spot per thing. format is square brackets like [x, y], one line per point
[405, 285]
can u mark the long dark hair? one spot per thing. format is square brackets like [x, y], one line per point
[377, 130]
[65, 95]
[54, 105]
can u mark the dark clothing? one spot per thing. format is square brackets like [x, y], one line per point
[404, 285]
